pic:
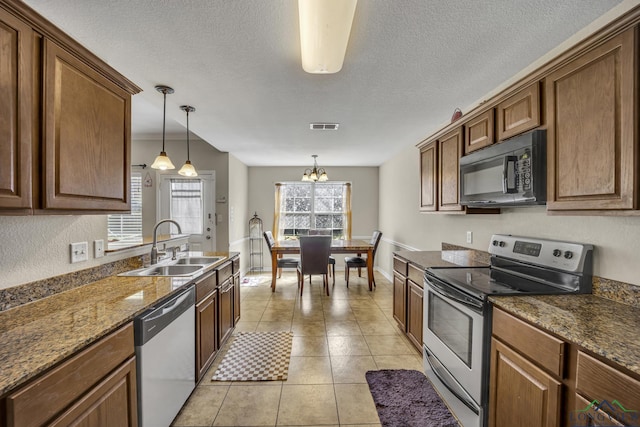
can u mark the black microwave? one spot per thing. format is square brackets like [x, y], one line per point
[510, 173]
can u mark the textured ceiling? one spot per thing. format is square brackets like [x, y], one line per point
[409, 63]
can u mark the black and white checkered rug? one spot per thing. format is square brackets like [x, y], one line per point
[256, 356]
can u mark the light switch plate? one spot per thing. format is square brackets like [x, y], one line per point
[98, 248]
[79, 252]
[469, 236]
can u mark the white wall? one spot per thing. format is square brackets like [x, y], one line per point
[238, 210]
[364, 196]
[617, 239]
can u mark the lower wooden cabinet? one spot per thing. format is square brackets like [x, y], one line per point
[400, 300]
[236, 298]
[206, 333]
[521, 394]
[95, 387]
[225, 311]
[414, 313]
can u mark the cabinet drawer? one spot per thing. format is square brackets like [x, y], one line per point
[591, 417]
[236, 265]
[400, 266]
[37, 402]
[225, 271]
[416, 274]
[597, 380]
[546, 350]
[205, 286]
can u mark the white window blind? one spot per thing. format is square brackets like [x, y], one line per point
[187, 204]
[126, 229]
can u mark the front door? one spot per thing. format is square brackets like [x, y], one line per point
[190, 202]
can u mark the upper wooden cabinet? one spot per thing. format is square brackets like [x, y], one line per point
[429, 177]
[450, 148]
[65, 122]
[479, 131]
[16, 100]
[519, 113]
[592, 129]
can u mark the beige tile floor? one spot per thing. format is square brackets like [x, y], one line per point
[337, 339]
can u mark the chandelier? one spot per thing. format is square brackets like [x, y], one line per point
[315, 174]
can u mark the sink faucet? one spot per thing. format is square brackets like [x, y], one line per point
[154, 247]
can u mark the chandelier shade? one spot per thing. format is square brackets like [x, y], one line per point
[315, 174]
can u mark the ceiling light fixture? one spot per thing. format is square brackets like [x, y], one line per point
[163, 162]
[315, 174]
[325, 26]
[187, 169]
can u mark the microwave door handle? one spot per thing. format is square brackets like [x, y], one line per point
[509, 174]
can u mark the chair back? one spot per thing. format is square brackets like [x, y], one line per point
[316, 232]
[375, 240]
[268, 236]
[314, 254]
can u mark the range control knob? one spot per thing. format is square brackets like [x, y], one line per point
[494, 243]
[557, 252]
[501, 244]
[568, 254]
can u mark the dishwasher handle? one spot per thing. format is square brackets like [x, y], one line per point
[153, 321]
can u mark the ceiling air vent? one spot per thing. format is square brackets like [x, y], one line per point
[324, 126]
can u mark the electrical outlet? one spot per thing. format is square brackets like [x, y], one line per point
[79, 252]
[98, 248]
[469, 236]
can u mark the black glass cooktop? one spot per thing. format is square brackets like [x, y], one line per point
[482, 282]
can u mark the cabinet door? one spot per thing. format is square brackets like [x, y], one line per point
[592, 129]
[414, 313]
[479, 132]
[400, 300]
[225, 312]
[16, 120]
[520, 393]
[206, 342]
[519, 113]
[236, 298]
[87, 136]
[450, 151]
[429, 177]
[113, 402]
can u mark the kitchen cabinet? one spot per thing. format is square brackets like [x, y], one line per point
[65, 147]
[450, 149]
[479, 131]
[400, 292]
[407, 299]
[225, 302]
[235, 262]
[415, 295]
[95, 387]
[592, 132]
[526, 371]
[16, 105]
[429, 177]
[206, 322]
[519, 113]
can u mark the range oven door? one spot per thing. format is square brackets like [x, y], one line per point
[454, 328]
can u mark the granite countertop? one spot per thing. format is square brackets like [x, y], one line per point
[38, 335]
[604, 327]
[445, 258]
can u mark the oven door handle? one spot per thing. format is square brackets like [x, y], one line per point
[448, 292]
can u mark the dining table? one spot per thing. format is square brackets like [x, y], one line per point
[338, 246]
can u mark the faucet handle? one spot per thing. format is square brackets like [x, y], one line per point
[174, 252]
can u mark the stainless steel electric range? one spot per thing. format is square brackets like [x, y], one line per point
[457, 314]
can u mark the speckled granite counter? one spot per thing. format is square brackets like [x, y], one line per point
[40, 334]
[605, 327]
[445, 258]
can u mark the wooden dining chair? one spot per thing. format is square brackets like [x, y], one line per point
[282, 262]
[359, 262]
[332, 260]
[314, 259]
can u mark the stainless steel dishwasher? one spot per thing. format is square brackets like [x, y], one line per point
[165, 358]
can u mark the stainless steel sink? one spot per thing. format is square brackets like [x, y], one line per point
[165, 270]
[200, 260]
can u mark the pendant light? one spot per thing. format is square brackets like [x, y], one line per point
[188, 169]
[163, 162]
[315, 174]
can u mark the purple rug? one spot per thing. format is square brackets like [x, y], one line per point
[406, 398]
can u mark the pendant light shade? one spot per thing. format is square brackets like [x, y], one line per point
[315, 174]
[163, 162]
[187, 169]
